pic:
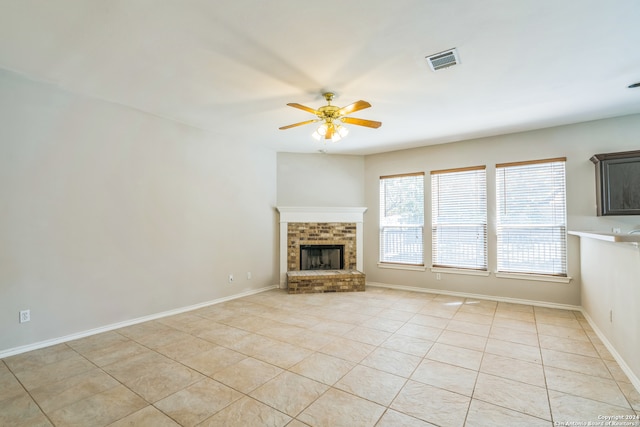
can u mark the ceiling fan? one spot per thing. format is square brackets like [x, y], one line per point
[332, 118]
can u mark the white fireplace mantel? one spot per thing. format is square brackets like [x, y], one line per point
[319, 214]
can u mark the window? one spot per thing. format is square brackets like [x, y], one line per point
[402, 219]
[459, 218]
[531, 217]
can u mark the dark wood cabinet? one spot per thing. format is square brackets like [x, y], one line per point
[618, 183]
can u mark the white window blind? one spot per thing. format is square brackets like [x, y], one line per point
[402, 218]
[531, 217]
[459, 218]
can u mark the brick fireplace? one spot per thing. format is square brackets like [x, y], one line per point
[321, 226]
[321, 233]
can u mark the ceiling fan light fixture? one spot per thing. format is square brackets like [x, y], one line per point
[320, 132]
[338, 133]
[341, 131]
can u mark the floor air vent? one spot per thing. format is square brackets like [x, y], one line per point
[444, 59]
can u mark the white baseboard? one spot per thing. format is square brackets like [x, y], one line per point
[623, 365]
[478, 296]
[83, 334]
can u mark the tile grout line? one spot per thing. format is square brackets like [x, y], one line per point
[544, 370]
[28, 393]
[484, 352]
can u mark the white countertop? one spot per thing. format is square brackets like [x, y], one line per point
[609, 237]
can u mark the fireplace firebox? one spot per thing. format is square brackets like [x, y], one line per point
[321, 257]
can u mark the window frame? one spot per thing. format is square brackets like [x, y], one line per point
[504, 270]
[446, 201]
[383, 259]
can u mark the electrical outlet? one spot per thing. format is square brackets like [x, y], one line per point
[248, 275]
[231, 278]
[25, 316]
[615, 230]
[438, 276]
[610, 316]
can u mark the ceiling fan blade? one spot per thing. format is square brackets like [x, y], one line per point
[361, 122]
[306, 122]
[356, 106]
[302, 107]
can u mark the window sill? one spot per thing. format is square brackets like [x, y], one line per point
[535, 277]
[460, 271]
[402, 266]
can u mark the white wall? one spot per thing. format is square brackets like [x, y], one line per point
[320, 180]
[108, 214]
[611, 293]
[577, 142]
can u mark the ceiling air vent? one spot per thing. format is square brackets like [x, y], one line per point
[443, 59]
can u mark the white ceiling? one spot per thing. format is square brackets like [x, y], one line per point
[230, 66]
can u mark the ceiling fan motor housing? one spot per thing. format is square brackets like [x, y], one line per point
[328, 112]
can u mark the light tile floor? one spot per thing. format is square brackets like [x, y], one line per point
[377, 358]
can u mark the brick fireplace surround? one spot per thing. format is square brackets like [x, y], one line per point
[315, 225]
[321, 233]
